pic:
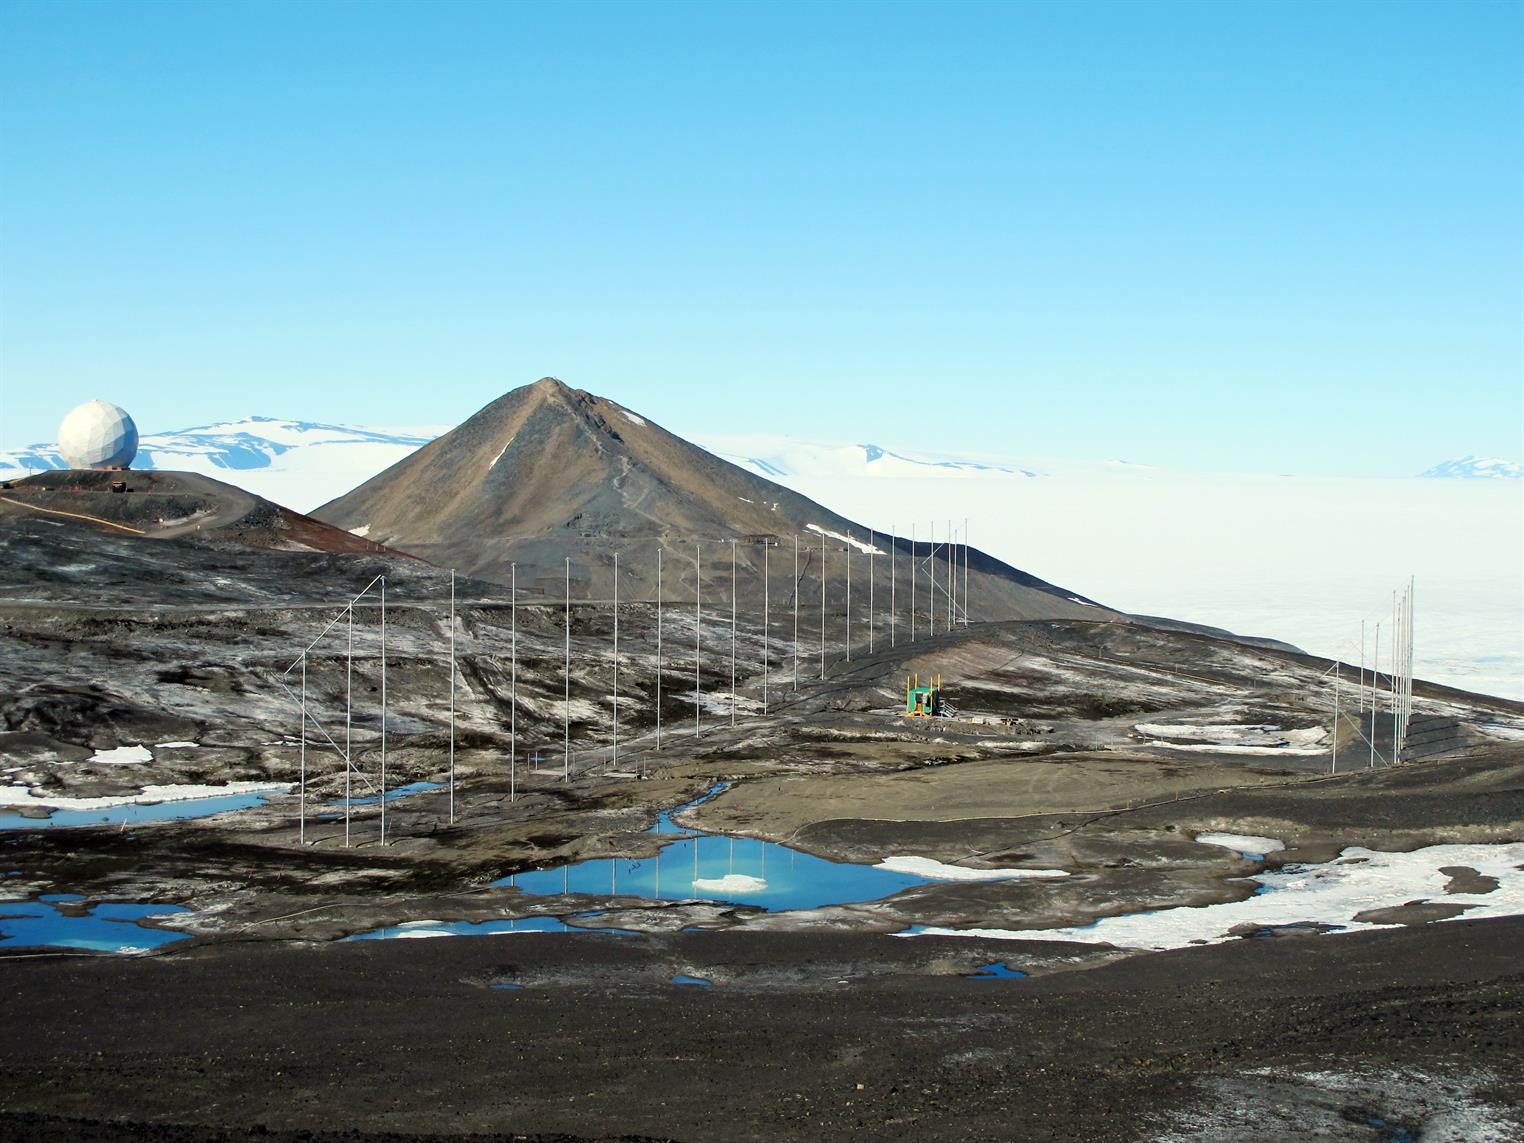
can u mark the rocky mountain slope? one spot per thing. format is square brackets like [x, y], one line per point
[170, 505]
[547, 471]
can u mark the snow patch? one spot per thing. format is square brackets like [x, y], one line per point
[939, 871]
[1333, 894]
[362, 531]
[148, 795]
[730, 883]
[1244, 843]
[1235, 738]
[175, 745]
[632, 418]
[123, 756]
[858, 544]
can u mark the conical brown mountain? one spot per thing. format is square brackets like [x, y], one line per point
[547, 472]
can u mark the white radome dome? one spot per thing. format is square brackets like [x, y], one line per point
[98, 434]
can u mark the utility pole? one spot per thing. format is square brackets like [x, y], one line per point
[614, 762]
[383, 710]
[1333, 764]
[966, 616]
[766, 619]
[733, 585]
[796, 612]
[822, 602]
[698, 632]
[566, 705]
[513, 674]
[349, 687]
[1375, 662]
[951, 579]
[452, 700]
[870, 591]
[931, 578]
[658, 654]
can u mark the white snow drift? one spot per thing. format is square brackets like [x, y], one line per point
[938, 871]
[1358, 881]
[148, 795]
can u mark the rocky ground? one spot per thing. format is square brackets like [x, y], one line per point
[1099, 749]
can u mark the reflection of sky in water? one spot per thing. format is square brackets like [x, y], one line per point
[739, 870]
[107, 927]
[137, 812]
[997, 971]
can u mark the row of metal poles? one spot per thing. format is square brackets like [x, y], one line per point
[377, 589]
[946, 595]
[1398, 685]
[951, 554]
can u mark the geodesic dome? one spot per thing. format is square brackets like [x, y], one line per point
[98, 434]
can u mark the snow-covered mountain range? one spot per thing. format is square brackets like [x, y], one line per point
[1303, 559]
[1477, 468]
[300, 464]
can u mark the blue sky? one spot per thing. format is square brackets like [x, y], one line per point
[1271, 237]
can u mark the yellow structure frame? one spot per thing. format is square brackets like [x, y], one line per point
[922, 702]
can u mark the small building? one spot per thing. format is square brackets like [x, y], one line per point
[923, 701]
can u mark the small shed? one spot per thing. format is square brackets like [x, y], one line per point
[923, 701]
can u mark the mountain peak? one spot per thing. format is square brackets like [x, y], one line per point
[546, 471]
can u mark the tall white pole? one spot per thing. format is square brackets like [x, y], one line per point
[698, 629]
[1360, 685]
[849, 596]
[894, 547]
[452, 696]
[615, 762]
[796, 611]
[1396, 666]
[931, 577]
[1333, 764]
[766, 619]
[349, 672]
[383, 710]
[822, 602]
[912, 583]
[658, 653]
[952, 583]
[733, 585]
[952, 575]
[566, 698]
[513, 676]
[1375, 662]
[301, 829]
[1412, 590]
[966, 616]
[870, 591]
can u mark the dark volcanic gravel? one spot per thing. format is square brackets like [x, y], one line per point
[813, 1036]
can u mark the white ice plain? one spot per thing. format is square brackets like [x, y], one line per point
[1333, 894]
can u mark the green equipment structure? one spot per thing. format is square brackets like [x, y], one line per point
[923, 702]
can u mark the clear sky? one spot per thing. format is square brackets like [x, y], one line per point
[1273, 237]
